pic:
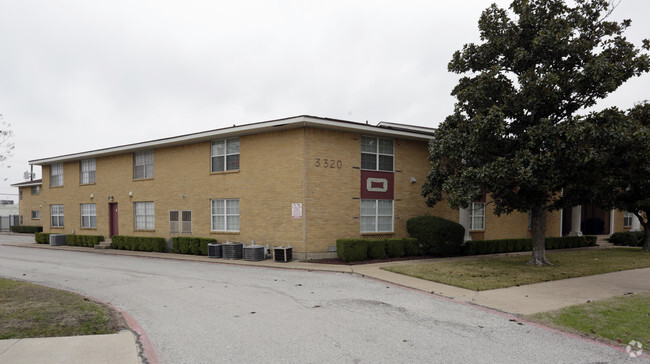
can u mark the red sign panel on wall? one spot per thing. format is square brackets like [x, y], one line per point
[377, 185]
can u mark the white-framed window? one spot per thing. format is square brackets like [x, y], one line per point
[376, 216]
[36, 190]
[36, 215]
[225, 215]
[477, 216]
[87, 173]
[56, 175]
[143, 164]
[88, 215]
[627, 219]
[225, 155]
[56, 215]
[144, 216]
[377, 154]
[180, 222]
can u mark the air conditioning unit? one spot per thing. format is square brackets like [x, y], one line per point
[57, 239]
[283, 253]
[215, 250]
[232, 250]
[254, 253]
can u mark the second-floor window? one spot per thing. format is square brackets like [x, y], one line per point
[143, 164]
[377, 154]
[87, 174]
[225, 155]
[56, 175]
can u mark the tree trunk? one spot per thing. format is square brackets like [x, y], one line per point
[538, 229]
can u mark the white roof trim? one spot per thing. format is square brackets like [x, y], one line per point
[413, 132]
[28, 183]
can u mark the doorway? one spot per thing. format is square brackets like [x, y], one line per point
[112, 220]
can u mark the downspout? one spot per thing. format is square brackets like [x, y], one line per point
[304, 188]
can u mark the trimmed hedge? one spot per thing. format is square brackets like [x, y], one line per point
[191, 245]
[354, 250]
[479, 247]
[42, 238]
[437, 235]
[627, 238]
[83, 240]
[139, 243]
[26, 229]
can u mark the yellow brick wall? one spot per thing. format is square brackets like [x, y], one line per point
[276, 170]
[29, 203]
[269, 180]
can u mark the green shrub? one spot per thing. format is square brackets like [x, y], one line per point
[479, 247]
[26, 229]
[83, 240]
[191, 245]
[376, 249]
[412, 247]
[139, 243]
[394, 247]
[626, 238]
[437, 235]
[352, 250]
[42, 238]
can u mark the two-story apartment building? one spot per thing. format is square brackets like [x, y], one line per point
[303, 181]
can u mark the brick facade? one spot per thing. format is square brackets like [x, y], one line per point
[318, 166]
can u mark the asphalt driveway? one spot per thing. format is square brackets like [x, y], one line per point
[204, 312]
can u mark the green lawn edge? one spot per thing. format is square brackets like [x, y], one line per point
[28, 311]
[486, 273]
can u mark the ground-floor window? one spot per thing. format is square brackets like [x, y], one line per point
[144, 215]
[627, 219]
[56, 215]
[88, 215]
[180, 222]
[36, 215]
[376, 216]
[225, 215]
[477, 216]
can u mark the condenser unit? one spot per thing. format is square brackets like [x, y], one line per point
[283, 253]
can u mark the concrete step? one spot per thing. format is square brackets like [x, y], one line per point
[104, 245]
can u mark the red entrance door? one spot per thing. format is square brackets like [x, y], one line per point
[112, 219]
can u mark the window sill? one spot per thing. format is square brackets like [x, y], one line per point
[56, 186]
[142, 179]
[88, 228]
[225, 172]
[377, 233]
[225, 232]
[87, 184]
[144, 230]
[57, 227]
[36, 219]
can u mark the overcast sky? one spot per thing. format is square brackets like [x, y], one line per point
[83, 75]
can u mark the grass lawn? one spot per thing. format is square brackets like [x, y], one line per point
[29, 310]
[623, 318]
[499, 272]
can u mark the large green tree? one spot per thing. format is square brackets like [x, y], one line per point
[513, 132]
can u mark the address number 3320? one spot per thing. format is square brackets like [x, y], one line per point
[328, 163]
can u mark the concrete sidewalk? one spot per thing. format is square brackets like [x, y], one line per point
[98, 349]
[521, 300]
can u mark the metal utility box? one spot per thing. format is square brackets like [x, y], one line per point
[57, 239]
[215, 250]
[283, 253]
[254, 253]
[232, 250]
